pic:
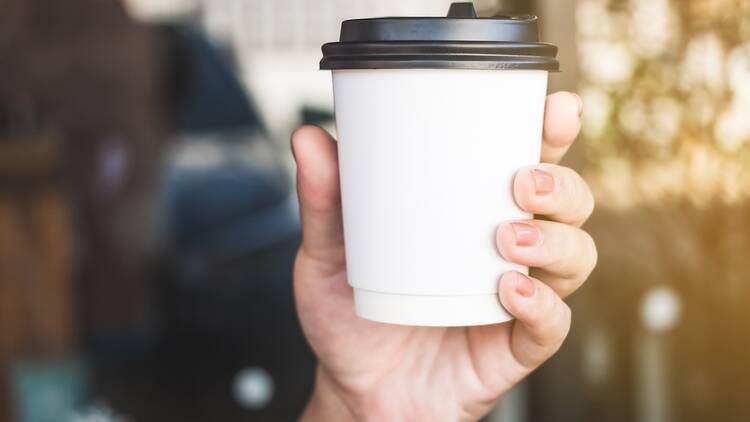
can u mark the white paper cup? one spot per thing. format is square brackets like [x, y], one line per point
[427, 159]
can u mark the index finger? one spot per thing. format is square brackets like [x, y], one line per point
[562, 122]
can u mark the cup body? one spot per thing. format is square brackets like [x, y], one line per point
[427, 159]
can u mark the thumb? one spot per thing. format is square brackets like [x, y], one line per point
[319, 195]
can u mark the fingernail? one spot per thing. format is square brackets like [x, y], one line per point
[580, 104]
[543, 181]
[524, 286]
[526, 234]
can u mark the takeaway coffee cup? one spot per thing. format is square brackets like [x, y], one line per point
[434, 118]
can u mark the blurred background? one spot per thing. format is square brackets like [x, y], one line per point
[148, 222]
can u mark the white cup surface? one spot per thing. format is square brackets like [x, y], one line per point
[427, 159]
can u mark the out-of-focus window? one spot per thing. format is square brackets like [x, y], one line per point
[661, 329]
[667, 89]
[277, 45]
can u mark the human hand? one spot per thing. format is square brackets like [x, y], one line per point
[373, 371]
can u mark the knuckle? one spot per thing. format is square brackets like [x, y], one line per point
[548, 257]
[560, 259]
[581, 194]
[587, 201]
[534, 320]
[570, 254]
[567, 316]
[565, 254]
[559, 319]
[576, 199]
[545, 308]
[592, 255]
[565, 322]
[550, 303]
[561, 328]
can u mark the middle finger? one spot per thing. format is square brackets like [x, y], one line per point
[566, 254]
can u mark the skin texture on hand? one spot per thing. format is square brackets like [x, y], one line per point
[373, 371]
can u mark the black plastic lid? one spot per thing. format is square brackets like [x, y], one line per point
[460, 41]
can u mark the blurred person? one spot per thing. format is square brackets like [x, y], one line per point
[166, 303]
[86, 72]
[373, 371]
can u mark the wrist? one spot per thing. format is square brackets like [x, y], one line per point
[326, 402]
[332, 402]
